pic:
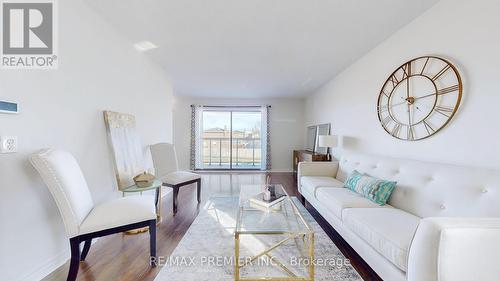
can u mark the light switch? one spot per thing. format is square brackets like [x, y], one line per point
[8, 144]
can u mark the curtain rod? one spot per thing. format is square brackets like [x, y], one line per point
[232, 106]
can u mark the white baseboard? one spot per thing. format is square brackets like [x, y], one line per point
[48, 267]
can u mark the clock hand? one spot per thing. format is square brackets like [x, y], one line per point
[426, 96]
[409, 114]
[393, 105]
[408, 87]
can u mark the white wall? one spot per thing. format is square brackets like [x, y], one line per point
[287, 127]
[98, 70]
[465, 32]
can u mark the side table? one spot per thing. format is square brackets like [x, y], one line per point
[155, 186]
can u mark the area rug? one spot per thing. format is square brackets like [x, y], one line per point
[206, 252]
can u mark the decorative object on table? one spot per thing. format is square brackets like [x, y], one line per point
[167, 171]
[328, 141]
[265, 189]
[144, 180]
[154, 186]
[273, 198]
[266, 194]
[83, 220]
[270, 196]
[125, 145]
[419, 98]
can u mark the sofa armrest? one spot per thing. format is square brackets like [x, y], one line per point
[455, 249]
[318, 169]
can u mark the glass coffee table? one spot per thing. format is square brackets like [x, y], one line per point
[272, 244]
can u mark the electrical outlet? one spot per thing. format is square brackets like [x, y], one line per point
[8, 144]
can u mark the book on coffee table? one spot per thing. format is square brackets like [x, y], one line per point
[269, 198]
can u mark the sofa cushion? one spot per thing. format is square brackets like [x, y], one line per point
[388, 230]
[311, 183]
[337, 199]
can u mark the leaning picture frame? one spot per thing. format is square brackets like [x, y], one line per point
[125, 146]
[323, 130]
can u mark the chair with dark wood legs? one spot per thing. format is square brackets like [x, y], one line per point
[82, 219]
[167, 170]
[176, 188]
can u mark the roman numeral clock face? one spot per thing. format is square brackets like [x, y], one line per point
[419, 98]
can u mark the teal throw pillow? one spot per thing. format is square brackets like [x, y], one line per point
[372, 188]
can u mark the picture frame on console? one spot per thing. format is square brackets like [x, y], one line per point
[313, 133]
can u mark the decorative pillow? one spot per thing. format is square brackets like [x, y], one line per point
[374, 189]
[352, 181]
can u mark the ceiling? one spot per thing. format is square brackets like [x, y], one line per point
[256, 48]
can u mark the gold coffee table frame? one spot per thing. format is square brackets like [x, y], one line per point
[305, 233]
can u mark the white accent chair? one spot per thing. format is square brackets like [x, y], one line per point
[82, 219]
[167, 170]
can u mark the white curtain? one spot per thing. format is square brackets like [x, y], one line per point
[265, 139]
[196, 140]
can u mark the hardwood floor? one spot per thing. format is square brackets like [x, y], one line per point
[126, 257]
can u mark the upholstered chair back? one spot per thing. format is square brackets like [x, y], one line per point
[164, 158]
[63, 176]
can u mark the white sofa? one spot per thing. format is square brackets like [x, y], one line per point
[441, 223]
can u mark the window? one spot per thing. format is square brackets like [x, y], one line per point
[230, 138]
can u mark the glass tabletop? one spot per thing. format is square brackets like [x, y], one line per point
[283, 217]
[134, 188]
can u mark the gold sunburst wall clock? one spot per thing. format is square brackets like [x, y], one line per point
[419, 98]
